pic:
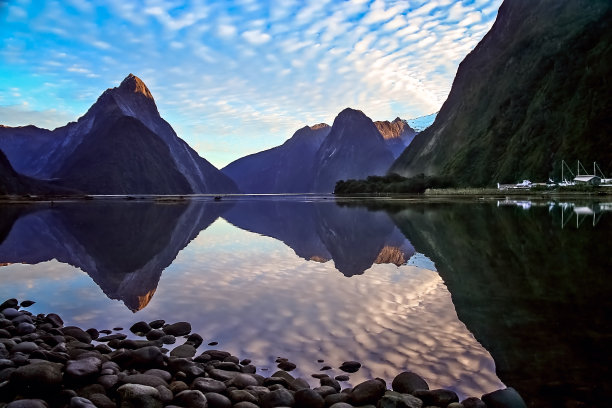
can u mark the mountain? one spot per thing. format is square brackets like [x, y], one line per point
[287, 168]
[353, 149]
[534, 91]
[397, 134]
[120, 146]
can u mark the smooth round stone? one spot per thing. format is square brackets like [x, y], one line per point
[287, 366]
[93, 333]
[28, 403]
[299, 384]
[165, 394]
[331, 382]
[102, 401]
[108, 381]
[242, 381]
[473, 402]
[439, 397]
[178, 386]
[207, 385]
[506, 398]
[168, 339]
[258, 390]
[11, 313]
[138, 396]
[191, 399]
[393, 399]
[217, 400]
[325, 390]
[455, 405]
[307, 398]
[341, 405]
[83, 368]
[408, 382]
[350, 366]
[37, 378]
[25, 328]
[25, 347]
[245, 404]
[22, 318]
[184, 350]
[155, 335]
[157, 324]
[163, 374]
[277, 398]
[78, 333]
[144, 379]
[195, 339]
[80, 402]
[237, 396]
[54, 319]
[335, 398]
[27, 303]
[368, 392]
[149, 356]
[12, 303]
[140, 327]
[178, 329]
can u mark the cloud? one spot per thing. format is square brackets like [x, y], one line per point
[20, 115]
[256, 37]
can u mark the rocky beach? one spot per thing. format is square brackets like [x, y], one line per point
[44, 363]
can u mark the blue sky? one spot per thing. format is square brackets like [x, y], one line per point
[236, 77]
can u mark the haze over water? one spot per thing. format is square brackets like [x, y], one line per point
[396, 285]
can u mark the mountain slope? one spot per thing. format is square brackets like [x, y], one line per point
[534, 91]
[148, 154]
[288, 168]
[354, 148]
[397, 134]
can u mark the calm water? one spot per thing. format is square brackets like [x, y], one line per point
[471, 295]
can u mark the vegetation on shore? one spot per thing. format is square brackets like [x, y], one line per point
[391, 184]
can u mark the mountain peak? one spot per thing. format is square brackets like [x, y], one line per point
[319, 126]
[132, 83]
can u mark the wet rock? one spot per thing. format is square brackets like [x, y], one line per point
[178, 386]
[25, 328]
[144, 379]
[83, 369]
[222, 375]
[102, 401]
[219, 355]
[368, 392]
[11, 313]
[393, 399]
[228, 366]
[455, 405]
[12, 303]
[408, 382]
[108, 381]
[325, 390]
[150, 356]
[25, 347]
[163, 374]
[213, 343]
[325, 368]
[195, 340]
[287, 366]
[242, 381]
[37, 379]
[217, 400]
[80, 402]
[439, 397]
[168, 339]
[54, 320]
[341, 405]
[506, 398]
[28, 403]
[207, 385]
[245, 404]
[140, 327]
[299, 384]
[245, 361]
[237, 396]
[342, 377]
[177, 329]
[27, 303]
[185, 350]
[335, 398]
[190, 399]
[350, 366]
[93, 333]
[473, 402]
[139, 396]
[331, 382]
[77, 333]
[277, 398]
[110, 337]
[307, 398]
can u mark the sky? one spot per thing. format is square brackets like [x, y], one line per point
[236, 77]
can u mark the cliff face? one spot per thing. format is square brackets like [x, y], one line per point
[534, 91]
[120, 146]
[397, 134]
[288, 168]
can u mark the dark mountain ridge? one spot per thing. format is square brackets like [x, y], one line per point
[534, 91]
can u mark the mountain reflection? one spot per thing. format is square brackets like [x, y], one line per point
[123, 247]
[354, 238]
[531, 281]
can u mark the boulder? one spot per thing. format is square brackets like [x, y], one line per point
[138, 396]
[506, 398]
[408, 382]
[368, 392]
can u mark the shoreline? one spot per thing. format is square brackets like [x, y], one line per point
[41, 359]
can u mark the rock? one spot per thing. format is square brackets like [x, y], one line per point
[393, 399]
[12, 303]
[38, 378]
[217, 354]
[325, 368]
[299, 384]
[178, 329]
[178, 386]
[168, 339]
[140, 327]
[111, 337]
[473, 402]
[102, 401]
[150, 356]
[242, 381]
[277, 398]
[342, 377]
[237, 396]
[325, 390]
[341, 405]
[83, 369]
[190, 399]
[455, 405]
[22, 318]
[93, 333]
[307, 398]
[77, 333]
[108, 381]
[195, 340]
[54, 319]
[332, 399]
[331, 382]
[11, 313]
[222, 375]
[138, 396]
[245, 404]
[506, 398]
[207, 385]
[213, 343]
[350, 366]
[157, 324]
[368, 392]
[25, 347]
[287, 366]
[165, 394]
[439, 397]
[155, 334]
[217, 400]
[28, 403]
[27, 303]
[25, 328]
[245, 361]
[408, 382]
[163, 374]
[143, 379]
[80, 402]
[184, 350]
